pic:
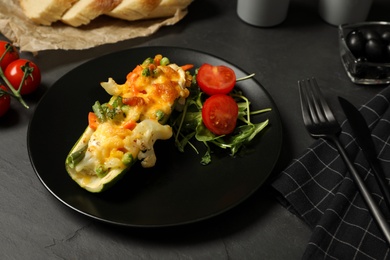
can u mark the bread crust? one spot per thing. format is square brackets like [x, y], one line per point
[132, 10]
[168, 8]
[84, 11]
[47, 12]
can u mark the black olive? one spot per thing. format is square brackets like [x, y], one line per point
[356, 43]
[386, 36]
[369, 34]
[375, 50]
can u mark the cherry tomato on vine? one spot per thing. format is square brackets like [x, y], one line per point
[9, 56]
[219, 114]
[15, 72]
[215, 79]
[5, 101]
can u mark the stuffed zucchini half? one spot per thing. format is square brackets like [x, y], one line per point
[124, 129]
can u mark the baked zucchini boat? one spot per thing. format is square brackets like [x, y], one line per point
[124, 129]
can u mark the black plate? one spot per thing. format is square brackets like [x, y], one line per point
[178, 190]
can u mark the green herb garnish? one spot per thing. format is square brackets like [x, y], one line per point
[188, 125]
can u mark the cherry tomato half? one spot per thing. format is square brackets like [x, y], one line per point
[5, 101]
[219, 114]
[215, 79]
[10, 56]
[14, 73]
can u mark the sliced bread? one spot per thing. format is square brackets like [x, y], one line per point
[46, 11]
[168, 8]
[134, 9]
[84, 11]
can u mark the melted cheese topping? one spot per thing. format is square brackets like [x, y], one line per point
[149, 94]
[147, 97]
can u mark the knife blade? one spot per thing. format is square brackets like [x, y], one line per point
[363, 137]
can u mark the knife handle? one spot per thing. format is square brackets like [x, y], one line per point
[371, 203]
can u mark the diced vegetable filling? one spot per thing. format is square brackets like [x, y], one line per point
[126, 128]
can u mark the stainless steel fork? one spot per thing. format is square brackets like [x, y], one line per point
[320, 122]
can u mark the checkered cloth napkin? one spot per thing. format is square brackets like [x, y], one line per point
[319, 189]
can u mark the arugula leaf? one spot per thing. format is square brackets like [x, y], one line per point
[188, 124]
[206, 158]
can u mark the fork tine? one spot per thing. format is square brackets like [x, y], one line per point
[304, 102]
[319, 109]
[316, 113]
[315, 97]
[326, 112]
[310, 108]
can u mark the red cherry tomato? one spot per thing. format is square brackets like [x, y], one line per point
[215, 79]
[5, 101]
[14, 73]
[9, 56]
[219, 114]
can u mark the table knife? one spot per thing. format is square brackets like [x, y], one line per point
[364, 139]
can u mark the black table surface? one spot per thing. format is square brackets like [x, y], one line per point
[35, 225]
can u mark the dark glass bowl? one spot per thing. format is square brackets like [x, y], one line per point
[361, 70]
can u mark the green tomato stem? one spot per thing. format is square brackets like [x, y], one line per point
[15, 93]
[8, 49]
[4, 92]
